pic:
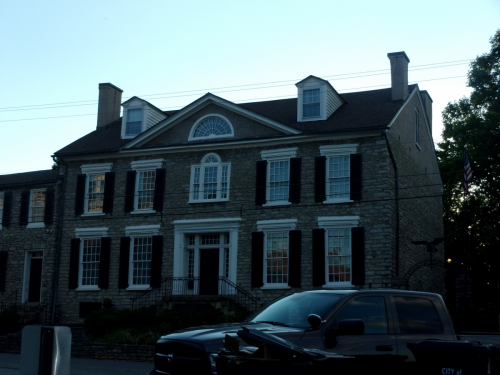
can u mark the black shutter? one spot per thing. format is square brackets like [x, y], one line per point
[48, 217]
[74, 263]
[7, 208]
[109, 192]
[294, 254]
[81, 180]
[156, 258]
[319, 255]
[130, 191]
[295, 179]
[25, 207]
[161, 174]
[260, 183]
[358, 255]
[320, 179]
[356, 177]
[104, 263]
[3, 270]
[124, 262]
[257, 259]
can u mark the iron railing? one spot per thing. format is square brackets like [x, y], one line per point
[29, 313]
[192, 286]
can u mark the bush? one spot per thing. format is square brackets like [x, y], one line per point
[9, 322]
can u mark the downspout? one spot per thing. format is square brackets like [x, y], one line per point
[396, 183]
[60, 220]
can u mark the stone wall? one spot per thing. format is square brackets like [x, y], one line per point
[120, 352]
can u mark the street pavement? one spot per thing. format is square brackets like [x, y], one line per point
[9, 365]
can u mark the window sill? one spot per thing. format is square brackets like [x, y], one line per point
[138, 287]
[138, 212]
[87, 289]
[338, 286]
[93, 214]
[208, 201]
[36, 225]
[277, 286]
[342, 200]
[1, 227]
[276, 203]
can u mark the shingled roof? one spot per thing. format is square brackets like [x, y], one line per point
[364, 110]
[29, 178]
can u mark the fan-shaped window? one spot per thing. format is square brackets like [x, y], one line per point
[212, 127]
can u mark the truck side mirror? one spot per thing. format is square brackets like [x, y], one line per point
[346, 327]
[315, 321]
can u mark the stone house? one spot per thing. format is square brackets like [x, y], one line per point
[29, 230]
[324, 190]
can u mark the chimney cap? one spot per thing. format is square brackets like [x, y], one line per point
[111, 85]
[397, 54]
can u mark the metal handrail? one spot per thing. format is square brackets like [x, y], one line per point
[190, 286]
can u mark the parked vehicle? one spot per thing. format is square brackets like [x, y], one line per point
[366, 324]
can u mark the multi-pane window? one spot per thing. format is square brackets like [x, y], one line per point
[279, 180]
[276, 258]
[338, 177]
[338, 255]
[1, 206]
[95, 192]
[190, 272]
[417, 128]
[145, 189]
[134, 121]
[141, 260]
[213, 127]
[311, 107]
[37, 206]
[210, 180]
[90, 258]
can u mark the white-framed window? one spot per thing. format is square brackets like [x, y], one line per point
[145, 184]
[210, 180]
[417, 128]
[278, 175]
[141, 250]
[36, 211]
[276, 251]
[1, 207]
[90, 257]
[338, 244]
[338, 179]
[211, 126]
[133, 125]
[311, 103]
[94, 187]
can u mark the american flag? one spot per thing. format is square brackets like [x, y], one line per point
[467, 172]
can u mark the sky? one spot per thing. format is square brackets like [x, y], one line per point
[54, 54]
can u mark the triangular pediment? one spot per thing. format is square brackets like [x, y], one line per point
[178, 128]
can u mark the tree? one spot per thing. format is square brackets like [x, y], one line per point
[474, 123]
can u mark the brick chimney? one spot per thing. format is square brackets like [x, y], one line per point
[399, 74]
[110, 99]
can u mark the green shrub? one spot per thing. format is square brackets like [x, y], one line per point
[9, 322]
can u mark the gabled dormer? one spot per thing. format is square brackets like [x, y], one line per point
[138, 116]
[316, 99]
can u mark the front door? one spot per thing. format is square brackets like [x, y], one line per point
[35, 281]
[209, 271]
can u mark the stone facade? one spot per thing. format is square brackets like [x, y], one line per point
[400, 202]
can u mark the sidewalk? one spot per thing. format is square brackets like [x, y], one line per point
[9, 365]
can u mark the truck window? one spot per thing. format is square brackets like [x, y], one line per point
[371, 310]
[417, 315]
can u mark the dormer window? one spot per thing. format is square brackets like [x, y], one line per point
[211, 126]
[316, 99]
[134, 121]
[311, 103]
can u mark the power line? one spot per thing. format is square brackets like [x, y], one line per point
[241, 101]
[197, 91]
